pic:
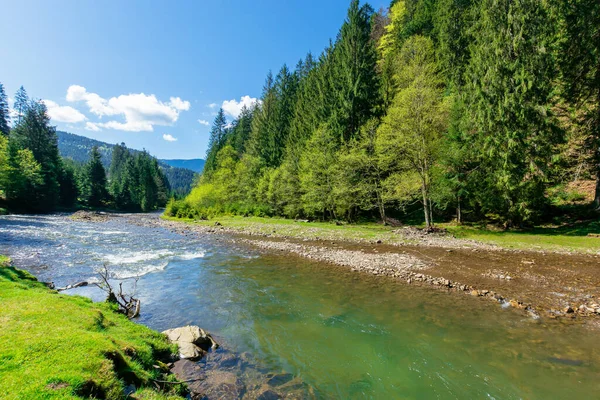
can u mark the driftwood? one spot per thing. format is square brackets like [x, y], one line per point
[128, 304]
[73, 286]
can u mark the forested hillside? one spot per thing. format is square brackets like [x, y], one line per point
[79, 148]
[35, 178]
[196, 164]
[480, 110]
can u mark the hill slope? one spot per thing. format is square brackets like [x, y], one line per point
[196, 164]
[78, 148]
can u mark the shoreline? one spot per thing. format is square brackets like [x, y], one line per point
[542, 284]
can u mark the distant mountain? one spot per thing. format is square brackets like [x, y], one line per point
[196, 164]
[78, 148]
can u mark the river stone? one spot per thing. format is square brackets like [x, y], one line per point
[192, 374]
[193, 341]
[220, 385]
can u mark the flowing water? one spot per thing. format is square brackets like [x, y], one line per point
[347, 335]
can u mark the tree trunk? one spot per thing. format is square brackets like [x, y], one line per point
[381, 210]
[458, 212]
[597, 143]
[426, 206]
[597, 196]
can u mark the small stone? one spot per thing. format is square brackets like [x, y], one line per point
[568, 310]
[474, 293]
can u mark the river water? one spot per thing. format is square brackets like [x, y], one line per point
[347, 335]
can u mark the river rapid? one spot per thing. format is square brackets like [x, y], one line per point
[345, 335]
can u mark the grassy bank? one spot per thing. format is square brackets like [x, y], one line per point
[574, 237]
[58, 346]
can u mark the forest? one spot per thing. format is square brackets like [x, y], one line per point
[35, 178]
[78, 148]
[473, 110]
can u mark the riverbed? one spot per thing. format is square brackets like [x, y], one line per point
[343, 334]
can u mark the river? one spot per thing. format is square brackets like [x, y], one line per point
[347, 335]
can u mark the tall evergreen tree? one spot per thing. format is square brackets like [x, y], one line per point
[35, 134]
[580, 62]
[508, 96]
[21, 103]
[96, 194]
[215, 141]
[354, 79]
[4, 113]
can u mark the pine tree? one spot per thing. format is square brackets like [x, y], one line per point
[508, 97]
[68, 183]
[119, 179]
[451, 31]
[4, 113]
[580, 67]
[95, 180]
[21, 104]
[353, 76]
[35, 134]
[215, 142]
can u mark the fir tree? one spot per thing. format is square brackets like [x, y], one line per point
[21, 104]
[4, 113]
[580, 66]
[96, 194]
[508, 99]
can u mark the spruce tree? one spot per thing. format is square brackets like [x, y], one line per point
[508, 97]
[580, 67]
[353, 76]
[95, 180]
[35, 134]
[215, 141]
[4, 113]
[21, 104]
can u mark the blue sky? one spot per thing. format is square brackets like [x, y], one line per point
[146, 72]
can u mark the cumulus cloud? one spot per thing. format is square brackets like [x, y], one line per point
[212, 105]
[203, 122]
[169, 138]
[63, 113]
[233, 107]
[140, 111]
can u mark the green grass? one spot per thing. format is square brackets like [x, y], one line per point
[572, 237]
[58, 346]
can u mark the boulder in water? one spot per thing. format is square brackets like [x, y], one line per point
[193, 341]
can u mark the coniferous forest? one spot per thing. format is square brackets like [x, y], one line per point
[35, 178]
[437, 109]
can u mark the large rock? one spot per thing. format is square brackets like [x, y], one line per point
[193, 341]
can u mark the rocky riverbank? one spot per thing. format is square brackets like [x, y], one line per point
[540, 283]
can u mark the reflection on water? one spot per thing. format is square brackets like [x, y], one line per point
[347, 335]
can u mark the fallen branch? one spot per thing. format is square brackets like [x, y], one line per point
[128, 304]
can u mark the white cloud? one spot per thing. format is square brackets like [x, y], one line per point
[233, 108]
[212, 105]
[90, 126]
[169, 138]
[140, 111]
[203, 122]
[63, 113]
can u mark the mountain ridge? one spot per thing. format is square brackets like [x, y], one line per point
[78, 148]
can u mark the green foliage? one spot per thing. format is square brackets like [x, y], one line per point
[33, 154]
[508, 100]
[94, 191]
[21, 104]
[450, 103]
[4, 113]
[410, 137]
[579, 59]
